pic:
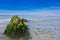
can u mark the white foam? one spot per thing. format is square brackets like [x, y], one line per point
[4, 20]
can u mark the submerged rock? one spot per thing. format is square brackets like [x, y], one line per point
[16, 26]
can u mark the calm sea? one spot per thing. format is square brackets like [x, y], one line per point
[40, 28]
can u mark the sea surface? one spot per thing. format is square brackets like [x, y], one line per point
[40, 28]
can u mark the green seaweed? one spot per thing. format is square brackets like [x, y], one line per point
[16, 26]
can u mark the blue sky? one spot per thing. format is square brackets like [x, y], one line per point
[29, 7]
[28, 4]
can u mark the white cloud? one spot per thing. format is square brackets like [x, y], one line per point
[43, 12]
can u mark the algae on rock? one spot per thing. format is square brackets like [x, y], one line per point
[16, 26]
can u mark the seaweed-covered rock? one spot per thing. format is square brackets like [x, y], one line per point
[16, 26]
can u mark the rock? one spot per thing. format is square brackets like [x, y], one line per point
[16, 26]
[24, 20]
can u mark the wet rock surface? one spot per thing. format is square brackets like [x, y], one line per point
[16, 27]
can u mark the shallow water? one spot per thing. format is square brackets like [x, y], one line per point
[45, 28]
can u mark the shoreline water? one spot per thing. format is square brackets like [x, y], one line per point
[47, 28]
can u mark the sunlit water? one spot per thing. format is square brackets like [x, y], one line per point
[40, 28]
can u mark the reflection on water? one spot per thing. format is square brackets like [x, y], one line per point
[39, 29]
